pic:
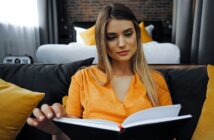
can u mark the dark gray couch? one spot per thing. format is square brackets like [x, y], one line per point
[187, 87]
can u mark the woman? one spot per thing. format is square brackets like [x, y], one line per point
[121, 83]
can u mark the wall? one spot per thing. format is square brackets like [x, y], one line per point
[87, 10]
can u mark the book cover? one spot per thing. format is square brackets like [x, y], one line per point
[157, 123]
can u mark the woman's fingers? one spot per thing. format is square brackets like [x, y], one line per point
[38, 114]
[58, 110]
[39, 117]
[32, 122]
[43, 118]
[47, 111]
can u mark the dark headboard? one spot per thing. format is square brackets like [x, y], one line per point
[157, 32]
[84, 24]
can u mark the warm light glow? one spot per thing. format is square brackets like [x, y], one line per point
[19, 12]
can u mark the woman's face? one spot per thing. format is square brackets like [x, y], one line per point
[121, 40]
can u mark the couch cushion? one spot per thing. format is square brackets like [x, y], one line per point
[53, 80]
[145, 37]
[88, 36]
[13, 116]
[188, 88]
[205, 127]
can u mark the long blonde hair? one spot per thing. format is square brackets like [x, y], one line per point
[137, 63]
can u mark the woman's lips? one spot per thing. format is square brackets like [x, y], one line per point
[123, 53]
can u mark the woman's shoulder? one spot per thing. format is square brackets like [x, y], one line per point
[158, 77]
[90, 72]
[86, 71]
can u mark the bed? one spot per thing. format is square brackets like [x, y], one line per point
[155, 52]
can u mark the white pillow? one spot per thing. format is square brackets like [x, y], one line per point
[78, 37]
[149, 29]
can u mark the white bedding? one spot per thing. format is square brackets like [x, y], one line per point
[161, 53]
[155, 53]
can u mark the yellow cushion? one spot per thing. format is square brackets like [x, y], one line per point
[88, 36]
[205, 127]
[16, 104]
[144, 34]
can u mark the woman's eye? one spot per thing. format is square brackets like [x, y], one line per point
[110, 37]
[128, 33]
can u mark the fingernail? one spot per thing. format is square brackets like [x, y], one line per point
[49, 115]
[58, 115]
[41, 118]
[35, 123]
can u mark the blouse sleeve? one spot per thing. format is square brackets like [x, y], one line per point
[162, 89]
[73, 103]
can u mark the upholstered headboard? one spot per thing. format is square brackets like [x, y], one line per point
[157, 32]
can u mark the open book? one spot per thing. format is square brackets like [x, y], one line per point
[158, 123]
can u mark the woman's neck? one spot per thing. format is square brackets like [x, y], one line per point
[121, 69]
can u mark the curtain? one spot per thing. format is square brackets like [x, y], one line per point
[25, 25]
[19, 34]
[47, 13]
[193, 29]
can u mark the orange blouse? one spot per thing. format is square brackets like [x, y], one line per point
[90, 99]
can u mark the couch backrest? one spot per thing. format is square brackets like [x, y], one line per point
[187, 87]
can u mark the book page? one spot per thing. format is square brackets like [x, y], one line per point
[96, 123]
[157, 120]
[153, 113]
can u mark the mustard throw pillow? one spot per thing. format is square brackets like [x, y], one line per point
[16, 104]
[205, 127]
[88, 36]
[144, 34]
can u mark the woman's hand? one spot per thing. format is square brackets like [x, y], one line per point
[44, 116]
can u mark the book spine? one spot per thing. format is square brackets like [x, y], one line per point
[122, 134]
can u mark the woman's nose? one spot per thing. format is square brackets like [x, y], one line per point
[121, 42]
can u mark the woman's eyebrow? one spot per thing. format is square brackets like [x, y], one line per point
[129, 29]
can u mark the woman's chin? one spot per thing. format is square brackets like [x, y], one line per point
[123, 59]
